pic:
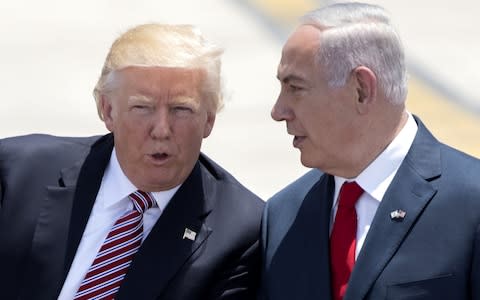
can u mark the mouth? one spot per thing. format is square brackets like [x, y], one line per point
[159, 157]
[297, 140]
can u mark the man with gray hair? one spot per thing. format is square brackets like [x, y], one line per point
[139, 213]
[395, 213]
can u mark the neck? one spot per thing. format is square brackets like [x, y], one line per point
[374, 141]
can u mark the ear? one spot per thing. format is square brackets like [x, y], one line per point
[209, 123]
[366, 85]
[107, 112]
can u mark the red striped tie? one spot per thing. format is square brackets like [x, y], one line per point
[107, 271]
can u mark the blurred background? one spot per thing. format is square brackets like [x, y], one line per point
[52, 52]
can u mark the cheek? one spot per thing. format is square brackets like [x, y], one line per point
[189, 134]
[321, 128]
[132, 129]
[313, 119]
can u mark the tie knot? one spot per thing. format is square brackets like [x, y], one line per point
[349, 194]
[142, 201]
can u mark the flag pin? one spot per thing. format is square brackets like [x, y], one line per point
[189, 234]
[397, 215]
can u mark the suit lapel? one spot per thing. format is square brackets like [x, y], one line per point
[165, 250]
[88, 184]
[410, 191]
[320, 284]
[49, 240]
[300, 266]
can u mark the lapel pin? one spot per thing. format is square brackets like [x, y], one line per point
[189, 234]
[397, 215]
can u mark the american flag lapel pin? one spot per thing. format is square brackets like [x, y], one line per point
[397, 215]
[189, 234]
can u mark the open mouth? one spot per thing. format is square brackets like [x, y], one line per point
[160, 156]
[297, 140]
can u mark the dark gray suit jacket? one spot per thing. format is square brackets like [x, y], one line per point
[433, 253]
[48, 186]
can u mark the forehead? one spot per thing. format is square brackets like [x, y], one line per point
[155, 80]
[299, 51]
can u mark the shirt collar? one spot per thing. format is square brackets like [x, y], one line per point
[376, 178]
[118, 186]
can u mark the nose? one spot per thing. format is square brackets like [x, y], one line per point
[161, 127]
[281, 111]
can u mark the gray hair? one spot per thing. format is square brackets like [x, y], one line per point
[358, 34]
[164, 45]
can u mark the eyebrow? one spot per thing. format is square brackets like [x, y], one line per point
[290, 77]
[142, 98]
[183, 99]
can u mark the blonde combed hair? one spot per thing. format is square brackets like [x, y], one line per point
[164, 45]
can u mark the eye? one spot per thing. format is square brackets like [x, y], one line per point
[141, 108]
[289, 87]
[294, 88]
[182, 110]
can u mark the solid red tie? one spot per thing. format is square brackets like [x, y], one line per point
[107, 271]
[343, 238]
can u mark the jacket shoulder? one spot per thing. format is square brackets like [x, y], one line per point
[218, 173]
[41, 144]
[231, 197]
[31, 155]
[460, 170]
[295, 192]
[463, 160]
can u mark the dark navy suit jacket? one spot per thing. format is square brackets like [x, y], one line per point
[48, 186]
[433, 253]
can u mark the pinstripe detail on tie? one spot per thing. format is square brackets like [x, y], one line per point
[107, 271]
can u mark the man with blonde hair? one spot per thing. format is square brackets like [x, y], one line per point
[396, 213]
[139, 213]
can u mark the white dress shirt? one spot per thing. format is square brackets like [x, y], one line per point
[375, 180]
[111, 203]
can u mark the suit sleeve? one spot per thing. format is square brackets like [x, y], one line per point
[263, 243]
[1, 194]
[240, 280]
[1, 177]
[475, 277]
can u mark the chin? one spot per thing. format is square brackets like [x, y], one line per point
[307, 162]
